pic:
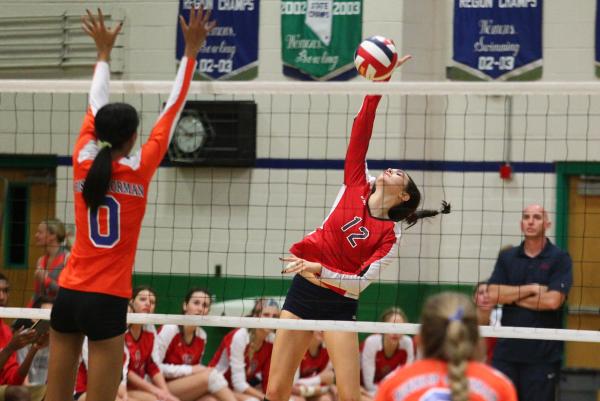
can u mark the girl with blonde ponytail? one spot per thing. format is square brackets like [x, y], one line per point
[448, 370]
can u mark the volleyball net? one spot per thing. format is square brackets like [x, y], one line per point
[220, 218]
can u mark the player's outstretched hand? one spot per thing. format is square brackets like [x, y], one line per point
[103, 37]
[400, 61]
[296, 265]
[403, 60]
[196, 30]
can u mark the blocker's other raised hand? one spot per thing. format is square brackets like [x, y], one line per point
[196, 30]
[104, 37]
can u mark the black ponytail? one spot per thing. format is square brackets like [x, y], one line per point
[115, 124]
[98, 179]
[412, 219]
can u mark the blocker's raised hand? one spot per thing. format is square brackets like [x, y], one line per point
[103, 37]
[196, 30]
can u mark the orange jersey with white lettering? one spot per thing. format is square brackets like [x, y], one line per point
[427, 380]
[103, 255]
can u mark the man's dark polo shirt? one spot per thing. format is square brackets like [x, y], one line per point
[552, 268]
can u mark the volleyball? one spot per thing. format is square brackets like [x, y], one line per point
[376, 58]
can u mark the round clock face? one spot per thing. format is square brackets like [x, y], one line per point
[189, 134]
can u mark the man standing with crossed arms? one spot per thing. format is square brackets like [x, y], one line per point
[532, 280]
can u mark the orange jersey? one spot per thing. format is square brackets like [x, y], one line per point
[427, 380]
[103, 255]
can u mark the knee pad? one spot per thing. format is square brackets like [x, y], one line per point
[216, 381]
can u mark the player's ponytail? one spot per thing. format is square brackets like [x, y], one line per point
[449, 332]
[115, 124]
[415, 216]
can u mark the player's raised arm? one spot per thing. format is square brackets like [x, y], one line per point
[362, 128]
[104, 38]
[194, 32]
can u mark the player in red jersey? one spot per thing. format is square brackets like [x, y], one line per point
[110, 188]
[487, 315]
[179, 350]
[449, 341]
[140, 340]
[81, 382]
[315, 377]
[381, 354]
[338, 260]
[244, 355]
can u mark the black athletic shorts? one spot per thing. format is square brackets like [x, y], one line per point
[309, 301]
[98, 316]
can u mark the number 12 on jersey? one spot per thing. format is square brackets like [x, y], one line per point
[351, 238]
[110, 213]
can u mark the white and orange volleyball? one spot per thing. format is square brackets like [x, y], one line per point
[376, 58]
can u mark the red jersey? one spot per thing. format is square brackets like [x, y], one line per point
[81, 381]
[231, 359]
[490, 345]
[313, 365]
[427, 380]
[106, 241]
[53, 269]
[375, 365]
[10, 371]
[174, 355]
[141, 361]
[351, 245]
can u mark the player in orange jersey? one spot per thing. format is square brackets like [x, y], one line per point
[449, 340]
[110, 188]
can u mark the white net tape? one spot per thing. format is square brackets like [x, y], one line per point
[230, 88]
[325, 325]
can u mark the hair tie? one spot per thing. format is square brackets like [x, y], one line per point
[271, 302]
[458, 315]
[103, 144]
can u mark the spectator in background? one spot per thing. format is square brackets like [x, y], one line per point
[449, 340]
[81, 382]
[38, 372]
[532, 281]
[487, 315]
[315, 374]
[12, 375]
[139, 340]
[381, 354]
[178, 351]
[51, 235]
[244, 355]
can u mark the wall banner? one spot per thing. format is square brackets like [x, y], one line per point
[319, 38]
[497, 40]
[231, 49]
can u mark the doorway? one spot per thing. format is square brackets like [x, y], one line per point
[578, 231]
[27, 197]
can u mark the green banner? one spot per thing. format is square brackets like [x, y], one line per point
[319, 38]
